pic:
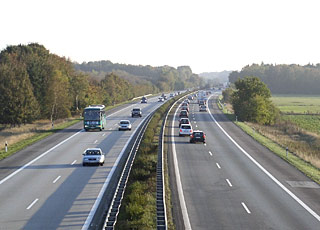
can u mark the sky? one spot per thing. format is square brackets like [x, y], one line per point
[207, 35]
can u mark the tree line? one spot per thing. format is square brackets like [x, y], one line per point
[36, 84]
[164, 78]
[284, 79]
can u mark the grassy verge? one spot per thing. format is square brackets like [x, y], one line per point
[29, 141]
[138, 209]
[305, 167]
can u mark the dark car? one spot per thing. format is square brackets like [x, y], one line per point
[144, 100]
[198, 136]
[183, 113]
[136, 112]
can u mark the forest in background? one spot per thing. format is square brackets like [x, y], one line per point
[164, 78]
[284, 79]
[36, 84]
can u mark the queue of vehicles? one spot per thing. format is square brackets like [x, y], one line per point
[185, 127]
[95, 118]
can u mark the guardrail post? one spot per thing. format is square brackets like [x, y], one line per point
[6, 146]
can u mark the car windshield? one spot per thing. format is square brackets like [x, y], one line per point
[136, 110]
[93, 152]
[91, 114]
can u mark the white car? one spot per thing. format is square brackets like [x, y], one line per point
[160, 99]
[124, 125]
[93, 156]
[202, 108]
[185, 130]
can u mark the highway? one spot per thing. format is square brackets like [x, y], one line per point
[232, 182]
[45, 185]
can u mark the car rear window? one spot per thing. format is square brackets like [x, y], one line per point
[198, 134]
[185, 126]
[93, 152]
[124, 122]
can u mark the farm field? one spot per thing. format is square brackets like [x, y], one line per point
[308, 122]
[304, 104]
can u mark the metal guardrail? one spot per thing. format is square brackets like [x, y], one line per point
[112, 214]
[161, 202]
[162, 223]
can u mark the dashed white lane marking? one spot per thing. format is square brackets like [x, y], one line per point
[195, 122]
[229, 183]
[306, 207]
[103, 134]
[33, 203]
[196, 126]
[219, 167]
[73, 162]
[96, 141]
[210, 153]
[246, 208]
[110, 129]
[56, 179]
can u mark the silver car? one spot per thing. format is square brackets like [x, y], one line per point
[202, 108]
[124, 125]
[185, 130]
[93, 156]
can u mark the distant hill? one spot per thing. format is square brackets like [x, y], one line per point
[165, 78]
[216, 77]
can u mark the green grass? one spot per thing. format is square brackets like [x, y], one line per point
[303, 104]
[138, 209]
[29, 141]
[305, 167]
[308, 122]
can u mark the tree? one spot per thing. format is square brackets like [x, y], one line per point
[227, 93]
[18, 104]
[251, 101]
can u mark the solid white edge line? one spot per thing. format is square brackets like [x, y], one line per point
[73, 162]
[37, 158]
[45, 153]
[229, 182]
[33, 203]
[184, 210]
[56, 179]
[245, 207]
[218, 166]
[306, 207]
[105, 184]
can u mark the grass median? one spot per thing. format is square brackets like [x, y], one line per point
[138, 209]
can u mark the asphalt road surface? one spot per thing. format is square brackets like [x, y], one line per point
[232, 182]
[45, 185]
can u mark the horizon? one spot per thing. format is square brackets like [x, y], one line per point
[208, 36]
